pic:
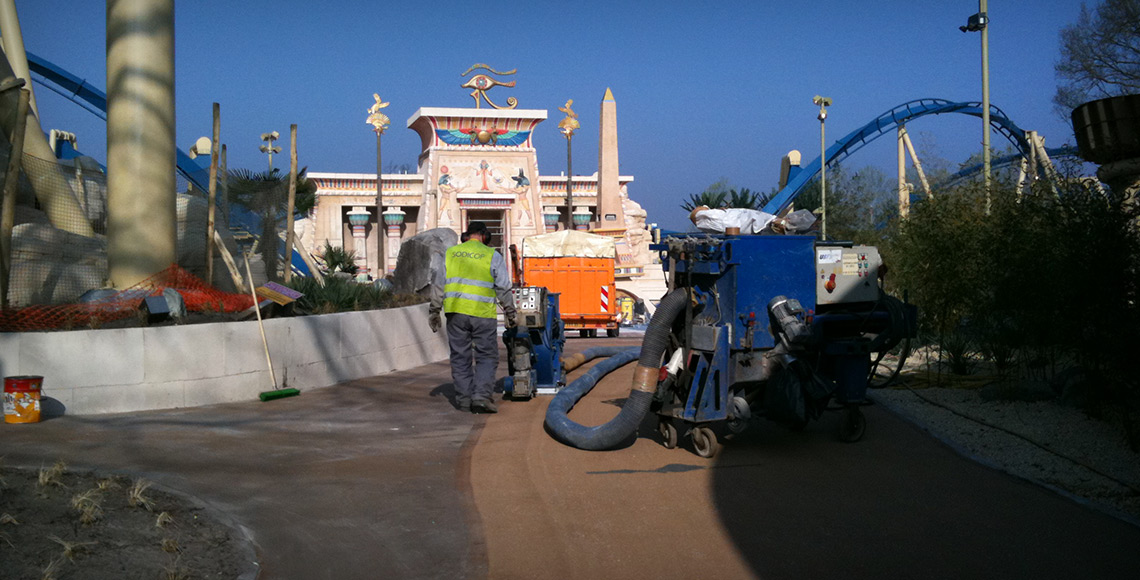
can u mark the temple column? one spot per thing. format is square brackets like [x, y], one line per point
[358, 218]
[394, 219]
[550, 217]
[581, 217]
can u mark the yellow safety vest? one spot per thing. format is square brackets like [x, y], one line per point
[470, 287]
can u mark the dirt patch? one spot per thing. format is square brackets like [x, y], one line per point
[60, 524]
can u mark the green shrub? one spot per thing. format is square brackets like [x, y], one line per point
[1045, 281]
[344, 295]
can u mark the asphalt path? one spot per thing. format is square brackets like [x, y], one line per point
[383, 478]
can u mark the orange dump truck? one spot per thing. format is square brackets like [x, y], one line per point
[580, 267]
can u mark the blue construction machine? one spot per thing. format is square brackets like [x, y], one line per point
[534, 344]
[783, 327]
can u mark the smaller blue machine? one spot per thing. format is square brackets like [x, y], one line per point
[774, 326]
[534, 344]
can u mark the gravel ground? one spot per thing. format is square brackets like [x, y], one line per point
[1044, 442]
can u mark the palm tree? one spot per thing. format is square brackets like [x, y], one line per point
[720, 198]
[713, 199]
[747, 199]
[266, 193]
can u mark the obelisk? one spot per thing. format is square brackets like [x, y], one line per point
[609, 189]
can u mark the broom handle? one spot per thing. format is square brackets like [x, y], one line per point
[260, 326]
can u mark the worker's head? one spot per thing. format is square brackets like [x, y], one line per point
[478, 231]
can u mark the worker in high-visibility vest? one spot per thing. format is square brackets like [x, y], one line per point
[472, 278]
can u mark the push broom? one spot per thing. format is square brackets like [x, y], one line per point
[276, 393]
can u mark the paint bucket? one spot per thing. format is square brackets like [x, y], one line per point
[22, 399]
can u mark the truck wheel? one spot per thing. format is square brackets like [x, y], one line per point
[613, 332]
[583, 333]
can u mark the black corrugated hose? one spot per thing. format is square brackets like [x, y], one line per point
[610, 434]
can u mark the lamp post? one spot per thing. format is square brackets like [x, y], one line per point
[269, 148]
[567, 126]
[824, 103]
[980, 23]
[379, 122]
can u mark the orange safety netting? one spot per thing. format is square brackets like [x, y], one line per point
[198, 296]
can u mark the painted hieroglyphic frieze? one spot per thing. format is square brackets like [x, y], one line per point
[468, 176]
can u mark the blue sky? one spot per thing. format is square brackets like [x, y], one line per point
[704, 91]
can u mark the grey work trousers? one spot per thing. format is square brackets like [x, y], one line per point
[467, 336]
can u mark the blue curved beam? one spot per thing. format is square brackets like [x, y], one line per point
[95, 101]
[83, 94]
[889, 121]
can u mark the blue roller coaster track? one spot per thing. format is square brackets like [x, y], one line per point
[82, 93]
[890, 121]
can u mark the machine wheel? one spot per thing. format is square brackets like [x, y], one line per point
[704, 442]
[593, 333]
[613, 332]
[583, 333]
[668, 432]
[852, 425]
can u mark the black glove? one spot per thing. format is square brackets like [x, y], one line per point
[433, 321]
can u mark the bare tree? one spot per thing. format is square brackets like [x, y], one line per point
[1100, 55]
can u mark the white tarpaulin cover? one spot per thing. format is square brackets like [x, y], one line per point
[715, 221]
[571, 243]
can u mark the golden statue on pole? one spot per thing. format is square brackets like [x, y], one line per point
[482, 83]
[570, 123]
[378, 120]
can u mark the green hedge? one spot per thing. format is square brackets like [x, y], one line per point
[1043, 281]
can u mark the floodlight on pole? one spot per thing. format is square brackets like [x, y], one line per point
[980, 23]
[269, 148]
[824, 103]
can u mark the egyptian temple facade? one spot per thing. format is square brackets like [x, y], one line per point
[481, 164]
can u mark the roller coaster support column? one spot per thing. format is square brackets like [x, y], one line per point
[141, 222]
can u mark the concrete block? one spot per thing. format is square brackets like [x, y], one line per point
[183, 353]
[243, 348]
[10, 354]
[314, 339]
[126, 398]
[83, 358]
[366, 333]
[313, 375]
[231, 389]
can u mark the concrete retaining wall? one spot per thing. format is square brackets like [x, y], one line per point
[112, 371]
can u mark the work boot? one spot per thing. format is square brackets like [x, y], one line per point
[483, 407]
[464, 406]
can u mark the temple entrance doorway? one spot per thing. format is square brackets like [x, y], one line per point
[495, 220]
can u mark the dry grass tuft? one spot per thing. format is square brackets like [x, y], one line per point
[89, 504]
[8, 519]
[163, 519]
[135, 497]
[170, 546]
[107, 484]
[174, 571]
[71, 549]
[52, 476]
[50, 571]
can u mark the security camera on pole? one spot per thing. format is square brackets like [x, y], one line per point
[823, 103]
